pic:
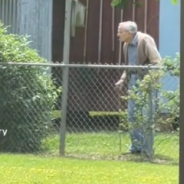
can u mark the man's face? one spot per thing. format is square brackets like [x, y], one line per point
[124, 36]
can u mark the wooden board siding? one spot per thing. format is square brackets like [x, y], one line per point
[97, 43]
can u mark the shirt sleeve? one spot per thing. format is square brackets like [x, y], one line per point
[152, 52]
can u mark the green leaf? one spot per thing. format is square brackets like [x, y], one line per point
[119, 3]
[175, 2]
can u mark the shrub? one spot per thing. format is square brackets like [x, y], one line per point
[27, 95]
[167, 100]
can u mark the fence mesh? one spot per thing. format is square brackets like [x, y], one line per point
[97, 125]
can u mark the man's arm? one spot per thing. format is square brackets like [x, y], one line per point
[121, 80]
[152, 54]
[124, 75]
[151, 51]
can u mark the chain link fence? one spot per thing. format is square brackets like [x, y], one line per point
[37, 103]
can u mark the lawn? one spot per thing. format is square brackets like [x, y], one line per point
[93, 158]
[29, 169]
[111, 145]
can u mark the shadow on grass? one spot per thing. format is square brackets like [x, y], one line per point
[158, 159]
[107, 146]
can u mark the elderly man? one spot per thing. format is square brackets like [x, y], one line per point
[139, 49]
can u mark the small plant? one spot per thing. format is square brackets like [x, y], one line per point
[142, 95]
[170, 100]
[149, 107]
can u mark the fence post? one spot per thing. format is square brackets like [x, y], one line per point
[148, 131]
[66, 54]
[150, 118]
[181, 157]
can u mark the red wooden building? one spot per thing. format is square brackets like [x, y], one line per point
[97, 43]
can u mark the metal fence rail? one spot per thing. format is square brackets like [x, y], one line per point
[96, 111]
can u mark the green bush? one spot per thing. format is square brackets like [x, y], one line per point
[168, 101]
[27, 95]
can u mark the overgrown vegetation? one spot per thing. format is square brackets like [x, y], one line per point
[170, 99]
[153, 111]
[27, 95]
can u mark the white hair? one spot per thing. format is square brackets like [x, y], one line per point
[129, 26]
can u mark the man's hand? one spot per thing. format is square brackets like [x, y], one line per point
[119, 84]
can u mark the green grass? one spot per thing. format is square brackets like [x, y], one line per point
[28, 169]
[111, 145]
[92, 166]
[104, 145]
